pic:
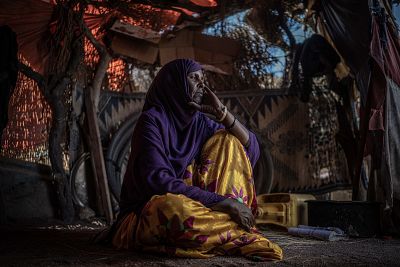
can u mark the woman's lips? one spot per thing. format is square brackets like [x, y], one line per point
[198, 96]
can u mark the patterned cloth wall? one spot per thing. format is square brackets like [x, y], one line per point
[281, 122]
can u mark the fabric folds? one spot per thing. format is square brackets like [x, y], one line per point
[176, 225]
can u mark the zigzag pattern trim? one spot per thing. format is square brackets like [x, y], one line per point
[115, 113]
[281, 119]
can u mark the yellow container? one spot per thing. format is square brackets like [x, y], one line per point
[282, 209]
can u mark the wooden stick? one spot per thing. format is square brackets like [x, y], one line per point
[92, 96]
[97, 157]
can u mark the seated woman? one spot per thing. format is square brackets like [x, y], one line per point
[188, 190]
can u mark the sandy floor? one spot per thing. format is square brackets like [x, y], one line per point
[63, 247]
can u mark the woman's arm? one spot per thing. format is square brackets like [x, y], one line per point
[236, 128]
[252, 148]
[214, 109]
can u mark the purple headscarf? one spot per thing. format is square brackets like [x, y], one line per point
[170, 92]
[168, 136]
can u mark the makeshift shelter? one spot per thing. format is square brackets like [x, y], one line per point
[279, 119]
[50, 39]
[73, 79]
[98, 100]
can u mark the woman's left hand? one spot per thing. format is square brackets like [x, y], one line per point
[239, 212]
[211, 106]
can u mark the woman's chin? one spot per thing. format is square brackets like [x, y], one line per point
[198, 99]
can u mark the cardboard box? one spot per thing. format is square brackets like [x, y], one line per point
[135, 48]
[146, 45]
[209, 50]
[135, 42]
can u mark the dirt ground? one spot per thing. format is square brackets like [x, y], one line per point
[61, 246]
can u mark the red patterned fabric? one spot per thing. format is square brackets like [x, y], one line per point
[29, 19]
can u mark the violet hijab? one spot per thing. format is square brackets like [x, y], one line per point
[167, 138]
[170, 92]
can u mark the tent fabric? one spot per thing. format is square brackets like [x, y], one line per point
[386, 52]
[391, 155]
[380, 120]
[385, 101]
[351, 42]
[32, 21]
[29, 19]
[385, 65]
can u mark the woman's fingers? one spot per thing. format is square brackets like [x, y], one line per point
[245, 218]
[246, 226]
[211, 94]
[208, 90]
[206, 109]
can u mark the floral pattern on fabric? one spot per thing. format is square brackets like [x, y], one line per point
[174, 232]
[244, 240]
[227, 239]
[239, 196]
[205, 166]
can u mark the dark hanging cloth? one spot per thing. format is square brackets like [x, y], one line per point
[385, 104]
[8, 72]
[348, 24]
[380, 119]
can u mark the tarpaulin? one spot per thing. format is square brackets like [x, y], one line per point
[29, 19]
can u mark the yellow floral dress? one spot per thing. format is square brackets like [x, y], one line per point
[177, 225]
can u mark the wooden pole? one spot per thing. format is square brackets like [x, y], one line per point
[92, 95]
[97, 158]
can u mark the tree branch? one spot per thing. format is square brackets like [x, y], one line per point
[30, 73]
[99, 77]
[78, 53]
[100, 48]
[285, 28]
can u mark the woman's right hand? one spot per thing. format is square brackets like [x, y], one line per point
[239, 212]
[211, 106]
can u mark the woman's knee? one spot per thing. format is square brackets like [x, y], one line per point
[223, 138]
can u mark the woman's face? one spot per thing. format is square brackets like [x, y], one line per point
[196, 86]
